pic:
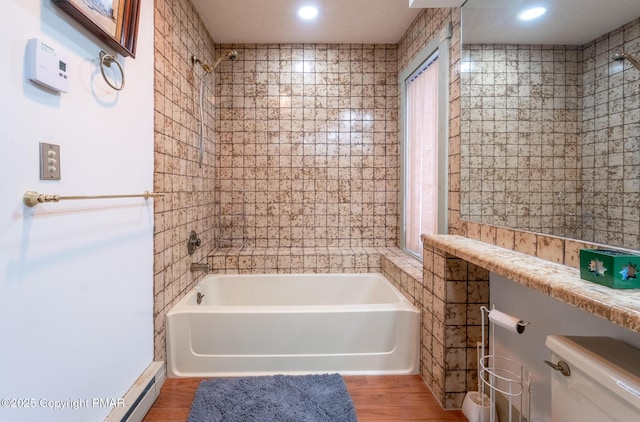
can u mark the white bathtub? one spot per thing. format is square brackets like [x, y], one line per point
[292, 323]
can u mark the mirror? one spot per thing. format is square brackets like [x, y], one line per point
[550, 127]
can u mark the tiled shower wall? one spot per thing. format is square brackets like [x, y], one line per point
[189, 200]
[309, 168]
[308, 146]
[521, 111]
[550, 138]
[611, 140]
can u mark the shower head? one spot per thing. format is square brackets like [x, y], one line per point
[618, 57]
[230, 55]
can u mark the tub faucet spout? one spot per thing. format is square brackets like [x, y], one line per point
[199, 267]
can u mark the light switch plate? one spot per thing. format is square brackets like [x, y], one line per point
[49, 161]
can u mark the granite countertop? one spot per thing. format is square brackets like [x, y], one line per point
[622, 307]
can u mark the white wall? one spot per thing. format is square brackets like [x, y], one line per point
[547, 316]
[76, 276]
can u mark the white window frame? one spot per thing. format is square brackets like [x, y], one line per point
[439, 46]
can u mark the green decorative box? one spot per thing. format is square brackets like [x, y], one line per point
[614, 269]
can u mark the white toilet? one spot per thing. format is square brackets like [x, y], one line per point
[604, 384]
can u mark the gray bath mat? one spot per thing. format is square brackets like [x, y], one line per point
[279, 398]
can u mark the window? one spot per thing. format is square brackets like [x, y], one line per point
[423, 87]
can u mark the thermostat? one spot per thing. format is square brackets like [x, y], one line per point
[46, 67]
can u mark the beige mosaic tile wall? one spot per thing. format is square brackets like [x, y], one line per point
[250, 260]
[189, 203]
[611, 140]
[521, 112]
[453, 292]
[308, 153]
[550, 138]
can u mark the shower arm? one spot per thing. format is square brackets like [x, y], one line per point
[229, 55]
[217, 61]
[633, 61]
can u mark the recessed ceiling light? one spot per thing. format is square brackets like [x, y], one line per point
[308, 12]
[532, 13]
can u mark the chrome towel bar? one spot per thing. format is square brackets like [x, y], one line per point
[32, 198]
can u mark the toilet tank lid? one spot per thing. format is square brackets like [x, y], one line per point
[611, 362]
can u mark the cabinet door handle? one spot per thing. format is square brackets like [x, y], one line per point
[561, 366]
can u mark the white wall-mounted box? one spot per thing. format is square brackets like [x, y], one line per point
[46, 66]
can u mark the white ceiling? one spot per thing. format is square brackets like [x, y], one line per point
[569, 22]
[385, 21]
[276, 21]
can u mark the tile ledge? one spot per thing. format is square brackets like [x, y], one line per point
[622, 307]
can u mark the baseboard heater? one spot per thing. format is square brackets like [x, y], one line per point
[141, 395]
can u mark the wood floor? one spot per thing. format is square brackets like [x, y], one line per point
[376, 398]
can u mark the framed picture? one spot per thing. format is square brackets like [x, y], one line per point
[113, 21]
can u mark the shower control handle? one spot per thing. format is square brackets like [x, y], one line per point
[193, 242]
[561, 366]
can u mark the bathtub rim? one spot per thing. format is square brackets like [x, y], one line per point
[183, 305]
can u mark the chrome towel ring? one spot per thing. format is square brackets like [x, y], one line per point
[107, 60]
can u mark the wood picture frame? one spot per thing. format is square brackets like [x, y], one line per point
[113, 21]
